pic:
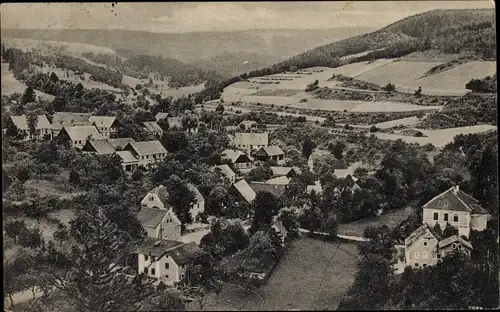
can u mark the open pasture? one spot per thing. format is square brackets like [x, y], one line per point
[438, 138]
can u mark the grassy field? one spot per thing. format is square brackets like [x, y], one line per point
[438, 138]
[11, 85]
[313, 275]
[391, 219]
[47, 46]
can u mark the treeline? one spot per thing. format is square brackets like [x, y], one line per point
[177, 73]
[486, 85]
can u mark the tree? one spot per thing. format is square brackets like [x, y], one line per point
[449, 231]
[373, 128]
[14, 229]
[260, 173]
[94, 279]
[337, 149]
[307, 147]
[389, 88]
[265, 207]
[220, 109]
[32, 121]
[28, 96]
[31, 238]
[418, 92]
[61, 234]
[181, 198]
[53, 77]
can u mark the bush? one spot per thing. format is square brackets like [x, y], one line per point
[373, 128]
[389, 88]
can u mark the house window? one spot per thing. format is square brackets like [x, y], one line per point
[145, 258]
[153, 271]
[424, 265]
[439, 256]
[417, 255]
[425, 255]
[145, 270]
[460, 247]
[436, 216]
[455, 218]
[416, 264]
[151, 198]
[182, 276]
[166, 275]
[167, 266]
[425, 243]
[454, 246]
[445, 217]
[152, 258]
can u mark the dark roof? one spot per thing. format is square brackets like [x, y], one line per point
[152, 126]
[272, 150]
[150, 217]
[102, 121]
[148, 247]
[183, 253]
[456, 200]
[120, 142]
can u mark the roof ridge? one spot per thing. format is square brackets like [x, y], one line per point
[437, 196]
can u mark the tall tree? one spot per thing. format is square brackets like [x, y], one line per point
[181, 198]
[265, 206]
[95, 280]
[28, 96]
[307, 147]
[32, 121]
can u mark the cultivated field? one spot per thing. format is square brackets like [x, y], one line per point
[11, 85]
[438, 138]
[47, 46]
[313, 275]
[409, 121]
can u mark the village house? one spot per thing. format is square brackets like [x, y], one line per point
[165, 260]
[98, 147]
[424, 247]
[166, 224]
[148, 153]
[175, 122]
[120, 143]
[106, 125]
[129, 162]
[153, 128]
[271, 153]
[458, 209]
[243, 190]
[250, 141]
[237, 160]
[43, 127]
[61, 119]
[288, 172]
[227, 172]
[77, 136]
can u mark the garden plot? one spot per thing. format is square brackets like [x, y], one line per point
[312, 275]
[11, 85]
[438, 138]
[356, 69]
[409, 121]
[361, 106]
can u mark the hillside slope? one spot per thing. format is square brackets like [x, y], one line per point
[232, 64]
[449, 31]
[189, 47]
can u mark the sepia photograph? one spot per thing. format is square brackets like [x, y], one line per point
[249, 156]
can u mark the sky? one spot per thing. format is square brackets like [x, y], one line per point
[218, 16]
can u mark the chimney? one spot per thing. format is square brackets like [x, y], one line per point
[455, 189]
